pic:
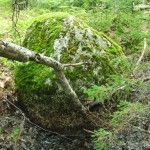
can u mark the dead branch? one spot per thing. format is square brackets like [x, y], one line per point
[88, 131]
[143, 52]
[15, 18]
[146, 79]
[142, 55]
[21, 54]
[76, 64]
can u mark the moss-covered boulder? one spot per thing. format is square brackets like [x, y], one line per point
[68, 40]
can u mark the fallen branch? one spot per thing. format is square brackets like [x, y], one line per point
[120, 88]
[76, 64]
[88, 131]
[146, 79]
[143, 52]
[18, 53]
[142, 55]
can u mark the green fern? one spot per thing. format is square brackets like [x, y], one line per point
[114, 84]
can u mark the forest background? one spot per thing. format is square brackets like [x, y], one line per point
[127, 22]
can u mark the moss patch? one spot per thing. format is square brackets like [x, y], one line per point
[68, 40]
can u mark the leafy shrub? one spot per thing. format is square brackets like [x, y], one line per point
[48, 4]
[125, 28]
[126, 113]
[114, 84]
[128, 116]
[103, 140]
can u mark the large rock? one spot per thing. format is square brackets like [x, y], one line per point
[68, 40]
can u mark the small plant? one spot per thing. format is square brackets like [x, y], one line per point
[14, 134]
[103, 140]
[126, 113]
[128, 116]
[105, 92]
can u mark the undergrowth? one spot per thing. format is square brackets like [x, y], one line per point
[116, 86]
[129, 116]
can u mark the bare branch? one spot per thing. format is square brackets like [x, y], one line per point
[146, 79]
[76, 64]
[142, 55]
[18, 53]
[88, 131]
[143, 52]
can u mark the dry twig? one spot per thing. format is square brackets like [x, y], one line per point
[142, 55]
[76, 64]
[146, 79]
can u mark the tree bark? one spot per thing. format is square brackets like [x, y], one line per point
[21, 54]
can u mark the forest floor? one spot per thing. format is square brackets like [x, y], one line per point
[18, 132]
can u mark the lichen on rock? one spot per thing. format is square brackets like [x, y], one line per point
[68, 40]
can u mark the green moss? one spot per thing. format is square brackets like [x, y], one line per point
[40, 38]
[114, 45]
[67, 40]
[47, 31]
[86, 48]
[29, 79]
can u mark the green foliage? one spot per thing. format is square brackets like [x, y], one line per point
[125, 28]
[5, 2]
[123, 65]
[103, 140]
[57, 5]
[128, 116]
[50, 4]
[13, 135]
[29, 79]
[114, 84]
[120, 5]
[125, 111]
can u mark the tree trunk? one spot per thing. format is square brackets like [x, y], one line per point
[21, 54]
